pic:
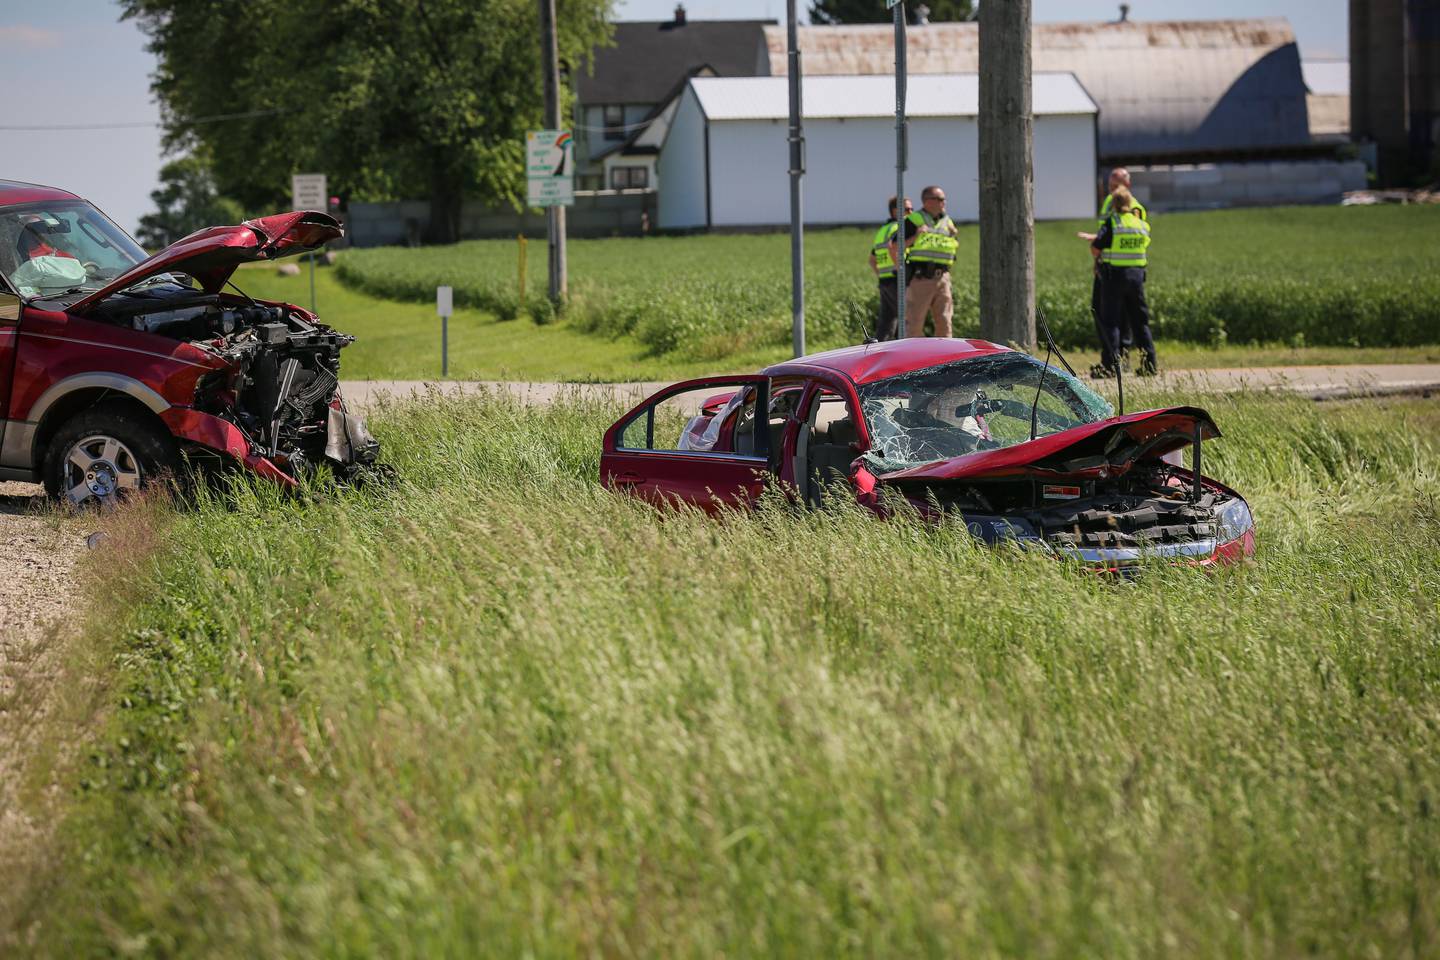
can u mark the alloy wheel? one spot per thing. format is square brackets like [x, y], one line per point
[100, 468]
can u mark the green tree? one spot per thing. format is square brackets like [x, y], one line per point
[873, 11]
[391, 98]
[186, 201]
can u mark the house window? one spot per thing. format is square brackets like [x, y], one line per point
[614, 121]
[629, 178]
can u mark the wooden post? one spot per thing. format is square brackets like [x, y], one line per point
[1007, 175]
[554, 216]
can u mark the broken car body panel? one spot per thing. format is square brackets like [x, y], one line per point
[947, 424]
[212, 255]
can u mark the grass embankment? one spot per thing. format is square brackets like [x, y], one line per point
[500, 710]
[1302, 276]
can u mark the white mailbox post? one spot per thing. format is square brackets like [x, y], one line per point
[444, 305]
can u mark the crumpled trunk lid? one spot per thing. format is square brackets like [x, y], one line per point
[1090, 450]
[212, 255]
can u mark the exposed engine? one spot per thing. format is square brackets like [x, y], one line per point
[1154, 505]
[282, 375]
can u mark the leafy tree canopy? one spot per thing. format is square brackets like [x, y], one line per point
[186, 201]
[873, 11]
[391, 98]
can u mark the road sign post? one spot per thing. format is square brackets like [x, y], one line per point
[900, 163]
[550, 183]
[444, 305]
[308, 192]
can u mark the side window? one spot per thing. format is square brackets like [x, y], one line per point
[710, 419]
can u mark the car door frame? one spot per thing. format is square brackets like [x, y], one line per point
[707, 479]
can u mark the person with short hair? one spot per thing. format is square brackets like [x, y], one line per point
[1121, 248]
[882, 264]
[930, 246]
[1119, 177]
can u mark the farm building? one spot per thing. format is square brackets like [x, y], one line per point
[724, 161]
[1204, 112]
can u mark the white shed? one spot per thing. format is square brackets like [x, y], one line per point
[724, 163]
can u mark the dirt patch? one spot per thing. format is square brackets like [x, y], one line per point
[39, 549]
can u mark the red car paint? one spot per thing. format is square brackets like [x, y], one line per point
[722, 478]
[57, 359]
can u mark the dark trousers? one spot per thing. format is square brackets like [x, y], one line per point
[1127, 337]
[889, 310]
[1122, 302]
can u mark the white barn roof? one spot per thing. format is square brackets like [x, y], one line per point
[825, 98]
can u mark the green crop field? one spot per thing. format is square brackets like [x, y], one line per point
[1303, 276]
[498, 710]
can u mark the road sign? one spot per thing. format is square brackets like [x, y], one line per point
[550, 168]
[307, 192]
[891, 3]
[444, 305]
[444, 301]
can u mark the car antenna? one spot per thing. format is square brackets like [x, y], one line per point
[1049, 349]
[865, 336]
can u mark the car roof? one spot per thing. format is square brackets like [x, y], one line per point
[17, 191]
[869, 362]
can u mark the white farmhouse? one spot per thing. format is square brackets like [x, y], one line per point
[724, 161]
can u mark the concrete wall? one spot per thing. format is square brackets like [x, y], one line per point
[1213, 185]
[850, 168]
[404, 222]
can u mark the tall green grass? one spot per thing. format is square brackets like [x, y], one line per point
[501, 711]
[1322, 276]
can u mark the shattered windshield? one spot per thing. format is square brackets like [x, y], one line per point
[982, 403]
[47, 249]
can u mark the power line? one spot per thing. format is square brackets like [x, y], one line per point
[130, 125]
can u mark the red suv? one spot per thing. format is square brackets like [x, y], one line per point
[115, 367]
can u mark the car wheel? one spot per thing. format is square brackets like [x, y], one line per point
[105, 454]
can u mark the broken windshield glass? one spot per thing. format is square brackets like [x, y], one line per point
[982, 403]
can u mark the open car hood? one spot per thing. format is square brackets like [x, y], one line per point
[1109, 445]
[211, 255]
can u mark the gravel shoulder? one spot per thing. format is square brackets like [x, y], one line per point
[39, 550]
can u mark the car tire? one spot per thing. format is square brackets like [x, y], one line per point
[104, 454]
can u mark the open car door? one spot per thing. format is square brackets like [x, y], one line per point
[684, 445]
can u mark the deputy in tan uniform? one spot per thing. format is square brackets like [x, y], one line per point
[930, 246]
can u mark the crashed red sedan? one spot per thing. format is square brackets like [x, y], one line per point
[1018, 450]
[114, 367]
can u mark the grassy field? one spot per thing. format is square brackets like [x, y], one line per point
[1302, 276]
[498, 710]
[401, 340]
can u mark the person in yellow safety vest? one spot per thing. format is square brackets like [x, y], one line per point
[930, 246]
[1122, 248]
[883, 266]
[1119, 177]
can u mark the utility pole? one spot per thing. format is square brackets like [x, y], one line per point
[555, 215]
[900, 163]
[797, 172]
[1007, 175]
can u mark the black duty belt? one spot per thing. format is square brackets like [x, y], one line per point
[927, 270]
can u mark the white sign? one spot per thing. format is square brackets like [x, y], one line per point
[890, 3]
[444, 301]
[307, 192]
[550, 168]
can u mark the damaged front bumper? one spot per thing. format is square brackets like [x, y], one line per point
[349, 447]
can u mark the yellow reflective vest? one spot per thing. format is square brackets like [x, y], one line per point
[935, 245]
[1135, 205]
[1129, 239]
[880, 246]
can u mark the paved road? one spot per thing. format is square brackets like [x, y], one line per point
[1321, 383]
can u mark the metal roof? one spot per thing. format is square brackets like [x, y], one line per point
[767, 98]
[649, 57]
[18, 191]
[1164, 88]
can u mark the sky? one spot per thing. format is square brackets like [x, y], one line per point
[76, 64]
